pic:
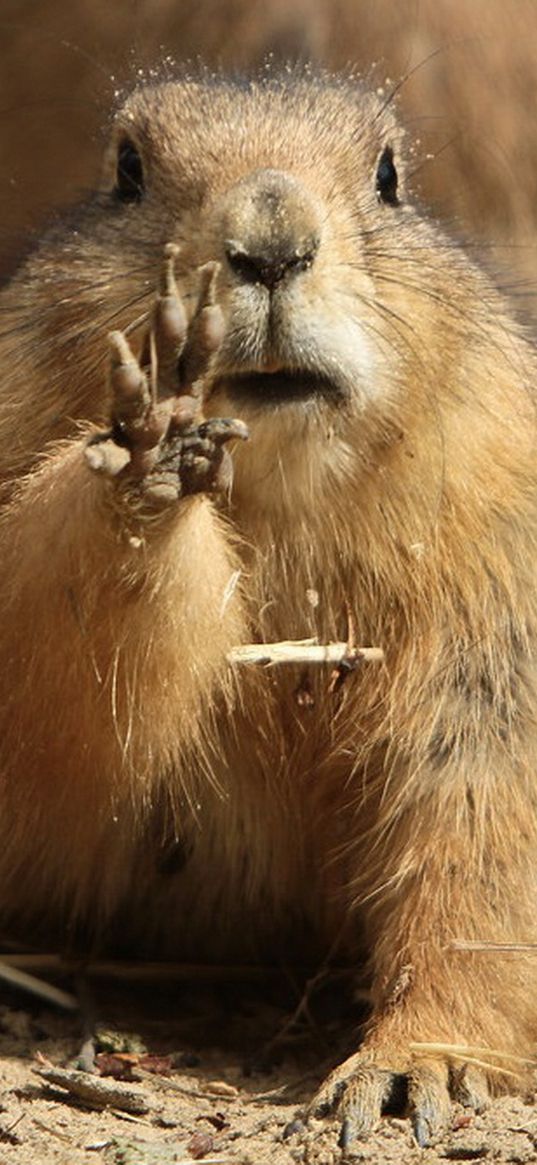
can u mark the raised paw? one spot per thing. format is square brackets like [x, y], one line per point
[365, 1086]
[159, 443]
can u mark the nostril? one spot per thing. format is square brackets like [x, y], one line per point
[269, 269]
[248, 267]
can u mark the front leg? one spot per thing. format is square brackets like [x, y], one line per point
[118, 606]
[451, 855]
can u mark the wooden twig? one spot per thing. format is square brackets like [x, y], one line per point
[51, 1131]
[485, 945]
[304, 651]
[488, 1058]
[94, 1091]
[139, 971]
[212, 1090]
[464, 1050]
[25, 982]
[7, 1134]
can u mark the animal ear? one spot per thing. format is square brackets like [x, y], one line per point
[386, 178]
[129, 172]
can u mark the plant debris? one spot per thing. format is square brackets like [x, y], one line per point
[93, 1090]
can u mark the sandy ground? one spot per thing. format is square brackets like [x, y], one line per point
[231, 1079]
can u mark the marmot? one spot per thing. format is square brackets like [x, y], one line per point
[390, 478]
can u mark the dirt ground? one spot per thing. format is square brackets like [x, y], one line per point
[217, 1074]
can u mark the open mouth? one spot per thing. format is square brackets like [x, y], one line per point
[273, 388]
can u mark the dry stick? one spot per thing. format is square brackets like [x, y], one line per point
[303, 651]
[149, 971]
[51, 1132]
[490, 1059]
[17, 978]
[6, 1133]
[486, 945]
[463, 1051]
[215, 1090]
[94, 1091]
[12, 969]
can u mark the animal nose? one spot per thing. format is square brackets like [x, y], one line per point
[272, 266]
[271, 228]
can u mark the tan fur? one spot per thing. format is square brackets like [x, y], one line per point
[404, 804]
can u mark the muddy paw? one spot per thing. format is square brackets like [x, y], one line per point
[159, 443]
[366, 1086]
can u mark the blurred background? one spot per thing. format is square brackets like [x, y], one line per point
[469, 80]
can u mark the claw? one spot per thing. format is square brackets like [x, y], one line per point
[170, 317]
[365, 1098]
[347, 1134]
[167, 285]
[207, 290]
[169, 332]
[429, 1103]
[292, 1128]
[470, 1087]
[120, 349]
[129, 384]
[209, 313]
[364, 1088]
[206, 330]
[421, 1131]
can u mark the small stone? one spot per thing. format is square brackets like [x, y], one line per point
[221, 1088]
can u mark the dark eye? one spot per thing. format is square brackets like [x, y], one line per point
[386, 182]
[130, 173]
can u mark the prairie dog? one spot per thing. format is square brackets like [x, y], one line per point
[389, 478]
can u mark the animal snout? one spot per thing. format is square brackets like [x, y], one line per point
[270, 267]
[271, 228]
